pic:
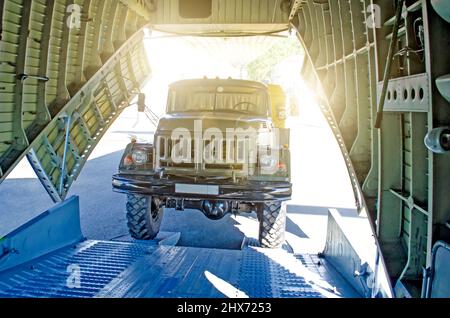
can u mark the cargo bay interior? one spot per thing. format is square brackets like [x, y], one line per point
[64, 85]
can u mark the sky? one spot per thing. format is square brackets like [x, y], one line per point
[176, 58]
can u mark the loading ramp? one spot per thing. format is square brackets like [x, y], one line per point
[70, 266]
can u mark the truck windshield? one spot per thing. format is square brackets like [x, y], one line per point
[248, 100]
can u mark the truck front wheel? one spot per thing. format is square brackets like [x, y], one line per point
[272, 223]
[144, 217]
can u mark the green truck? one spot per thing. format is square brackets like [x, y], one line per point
[216, 150]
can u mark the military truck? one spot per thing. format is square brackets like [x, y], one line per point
[216, 150]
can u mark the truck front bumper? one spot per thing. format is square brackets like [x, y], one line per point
[222, 190]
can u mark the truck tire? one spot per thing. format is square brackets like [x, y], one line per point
[143, 217]
[272, 224]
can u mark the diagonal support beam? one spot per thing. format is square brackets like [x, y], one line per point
[62, 93]
[87, 120]
[42, 112]
[81, 98]
[20, 138]
[68, 123]
[2, 5]
[82, 45]
[96, 63]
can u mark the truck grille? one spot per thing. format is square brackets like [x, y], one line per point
[218, 156]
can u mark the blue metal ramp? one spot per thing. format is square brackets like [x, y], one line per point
[123, 269]
[48, 257]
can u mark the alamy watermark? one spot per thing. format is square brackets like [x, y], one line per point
[232, 146]
[74, 19]
[373, 20]
[74, 278]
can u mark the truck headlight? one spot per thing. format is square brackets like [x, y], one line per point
[116, 183]
[140, 157]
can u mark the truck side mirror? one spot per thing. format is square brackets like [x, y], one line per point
[141, 102]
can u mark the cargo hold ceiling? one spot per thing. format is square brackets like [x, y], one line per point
[221, 17]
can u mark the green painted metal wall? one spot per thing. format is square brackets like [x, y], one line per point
[401, 181]
[60, 59]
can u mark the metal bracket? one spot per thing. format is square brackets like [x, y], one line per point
[23, 77]
[426, 282]
[56, 160]
[43, 176]
[387, 70]
[407, 94]
[67, 122]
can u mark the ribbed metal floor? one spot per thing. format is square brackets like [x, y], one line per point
[124, 269]
[99, 264]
